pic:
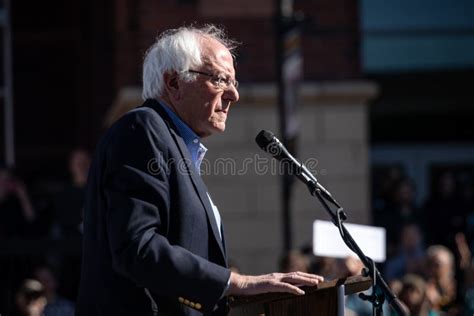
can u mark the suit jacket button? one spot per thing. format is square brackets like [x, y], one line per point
[181, 300]
[197, 306]
[186, 302]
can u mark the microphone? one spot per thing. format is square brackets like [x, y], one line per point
[272, 145]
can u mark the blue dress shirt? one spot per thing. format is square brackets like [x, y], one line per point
[196, 149]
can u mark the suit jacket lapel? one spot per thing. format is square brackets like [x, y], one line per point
[223, 241]
[196, 179]
[200, 188]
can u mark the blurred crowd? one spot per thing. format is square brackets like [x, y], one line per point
[429, 245]
[55, 211]
[40, 238]
[429, 263]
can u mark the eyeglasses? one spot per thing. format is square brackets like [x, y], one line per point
[218, 81]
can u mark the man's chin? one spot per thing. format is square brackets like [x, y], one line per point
[215, 129]
[220, 128]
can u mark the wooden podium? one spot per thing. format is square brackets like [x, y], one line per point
[326, 299]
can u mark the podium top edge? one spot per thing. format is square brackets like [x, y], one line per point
[351, 285]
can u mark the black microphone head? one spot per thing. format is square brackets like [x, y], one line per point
[264, 138]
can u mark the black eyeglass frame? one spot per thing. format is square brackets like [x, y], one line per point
[216, 80]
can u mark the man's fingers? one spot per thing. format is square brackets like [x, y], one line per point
[302, 279]
[285, 287]
[273, 282]
[309, 275]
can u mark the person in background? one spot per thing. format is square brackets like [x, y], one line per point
[411, 254]
[382, 188]
[56, 305]
[440, 275]
[17, 214]
[69, 202]
[413, 295]
[30, 299]
[68, 226]
[400, 210]
[441, 212]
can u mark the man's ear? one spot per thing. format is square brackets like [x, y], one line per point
[171, 85]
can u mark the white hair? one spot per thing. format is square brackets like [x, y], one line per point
[439, 250]
[177, 50]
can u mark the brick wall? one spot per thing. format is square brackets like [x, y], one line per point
[330, 43]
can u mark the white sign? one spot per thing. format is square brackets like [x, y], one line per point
[327, 242]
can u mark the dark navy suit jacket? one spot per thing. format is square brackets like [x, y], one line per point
[151, 243]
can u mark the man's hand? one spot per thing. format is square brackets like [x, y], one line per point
[274, 282]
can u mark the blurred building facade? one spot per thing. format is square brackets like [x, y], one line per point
[421, 54]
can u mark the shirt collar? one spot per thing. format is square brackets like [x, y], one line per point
[191, 139]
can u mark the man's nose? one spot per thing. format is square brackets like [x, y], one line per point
[231, 94]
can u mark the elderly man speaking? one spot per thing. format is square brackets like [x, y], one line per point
[153, 239]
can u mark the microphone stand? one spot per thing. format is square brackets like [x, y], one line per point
[269, 143]
[380, 290]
